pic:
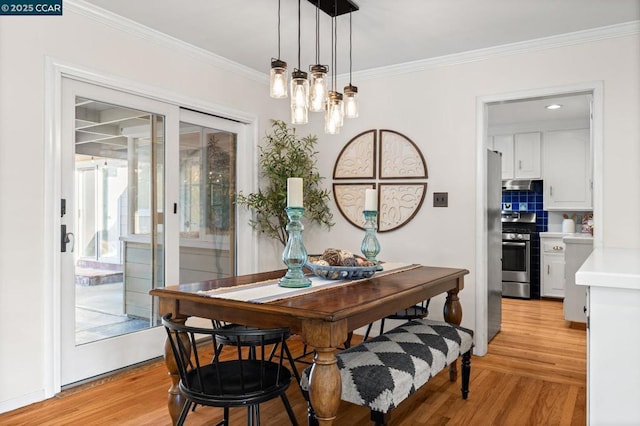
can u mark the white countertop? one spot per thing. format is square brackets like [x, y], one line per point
[611, 267]
[575, 237]
[578, 238]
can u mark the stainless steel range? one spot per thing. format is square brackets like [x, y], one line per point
[518, 230]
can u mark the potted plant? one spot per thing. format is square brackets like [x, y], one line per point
[285, 155]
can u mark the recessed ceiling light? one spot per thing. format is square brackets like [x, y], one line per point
[554, 106]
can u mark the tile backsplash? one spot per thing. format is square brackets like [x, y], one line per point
[527, 201]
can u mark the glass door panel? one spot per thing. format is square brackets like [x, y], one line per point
[113, 181]
[207, 183]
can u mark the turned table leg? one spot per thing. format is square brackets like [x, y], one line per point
[325, 385]
[453, 315]
[175, 400]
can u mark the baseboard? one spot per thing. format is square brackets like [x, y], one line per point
[21, 401]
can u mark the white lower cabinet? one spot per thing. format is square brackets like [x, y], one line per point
[552, 268]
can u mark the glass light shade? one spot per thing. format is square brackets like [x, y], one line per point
[318, 88]
[339, 110]
[278, 79]
[351, 101]
[332, 114]
[299, 97]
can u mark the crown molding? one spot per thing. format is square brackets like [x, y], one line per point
[132, 27]
[578, 37]
[561, 40]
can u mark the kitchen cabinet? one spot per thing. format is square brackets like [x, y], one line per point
[612, 277]
[552, 268]
[578, 247]
[567, 170]
[521, 156]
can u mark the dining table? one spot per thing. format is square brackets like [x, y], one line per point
[323, 314]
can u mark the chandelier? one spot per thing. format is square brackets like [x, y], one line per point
[313, 93]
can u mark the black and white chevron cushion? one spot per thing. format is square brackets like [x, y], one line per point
[382, 372]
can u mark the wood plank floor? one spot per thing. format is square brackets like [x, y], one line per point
[534, 374]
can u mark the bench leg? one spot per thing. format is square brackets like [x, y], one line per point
[466, 372]
[378, 418]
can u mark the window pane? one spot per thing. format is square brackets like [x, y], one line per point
[207, 213]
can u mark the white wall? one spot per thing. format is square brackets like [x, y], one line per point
[436, 108]
[74, 39]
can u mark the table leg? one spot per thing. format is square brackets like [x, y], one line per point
[453, 315]
[325, 385]
[175, 400]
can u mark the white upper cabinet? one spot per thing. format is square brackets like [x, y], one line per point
[567, 170]
[520, 155]
[504, 145]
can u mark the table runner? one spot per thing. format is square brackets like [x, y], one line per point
[270, 291]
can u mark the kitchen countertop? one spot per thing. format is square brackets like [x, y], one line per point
[611, 267]
[576, 237]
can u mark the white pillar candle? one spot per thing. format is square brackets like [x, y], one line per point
[370, 200]
[294, 192]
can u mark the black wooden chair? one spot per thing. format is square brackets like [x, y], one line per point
[418, 311]
[251, 342]
[246, 381]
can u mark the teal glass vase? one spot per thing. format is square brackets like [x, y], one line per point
[294, 254]
[370, 246]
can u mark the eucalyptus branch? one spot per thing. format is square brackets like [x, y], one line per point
[284, 155]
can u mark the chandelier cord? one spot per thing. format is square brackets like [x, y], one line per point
[279, 29]
[350, 47]
[335, 44]
[318, 32]
[298, 34]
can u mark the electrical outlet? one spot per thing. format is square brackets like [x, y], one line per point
[440, 199]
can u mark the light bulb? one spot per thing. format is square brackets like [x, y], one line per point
[351, 101]
[332, 114]
[318, 88]
[299, 97]
[278, 79]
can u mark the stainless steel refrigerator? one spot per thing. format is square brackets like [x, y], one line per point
[494, 242]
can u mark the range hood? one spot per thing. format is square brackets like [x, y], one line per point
[517, 184]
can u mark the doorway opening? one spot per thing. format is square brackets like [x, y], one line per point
[511, 103]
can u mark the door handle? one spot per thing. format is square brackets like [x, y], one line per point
[66, 238]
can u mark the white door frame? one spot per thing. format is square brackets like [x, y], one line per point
[55, 71]
[482, 144]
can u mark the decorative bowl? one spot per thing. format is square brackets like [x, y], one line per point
[339, 272]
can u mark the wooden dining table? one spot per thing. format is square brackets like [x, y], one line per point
[322, 318]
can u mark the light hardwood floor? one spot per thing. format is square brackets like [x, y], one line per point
[534, 374]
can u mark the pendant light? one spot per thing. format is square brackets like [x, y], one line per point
[318, 94]
[299, 89]
[335, 108]
[278, 75]
[350, 91]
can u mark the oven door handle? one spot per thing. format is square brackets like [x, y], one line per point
[512, 244]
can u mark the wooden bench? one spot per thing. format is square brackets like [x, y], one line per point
[382, 372]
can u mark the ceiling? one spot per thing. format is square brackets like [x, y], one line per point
[385, 32]
[533, 110]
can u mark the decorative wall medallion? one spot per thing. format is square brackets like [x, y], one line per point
[351, 196]
[355, 170]
[399, 203]
[399, 157]
[358, 158]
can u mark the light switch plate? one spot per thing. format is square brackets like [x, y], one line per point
[440, 199]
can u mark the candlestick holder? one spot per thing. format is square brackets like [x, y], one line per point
[294, 254]
[370, 246]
